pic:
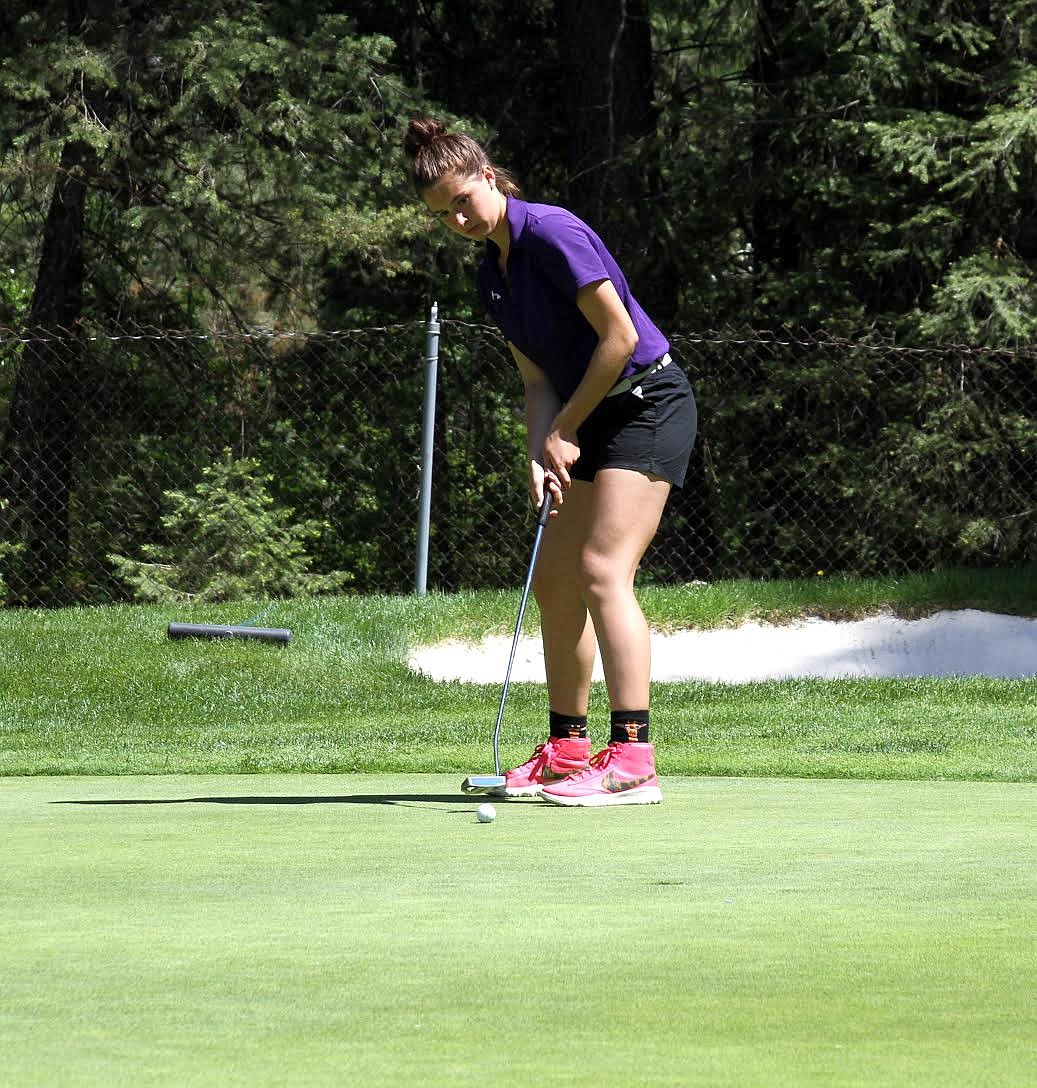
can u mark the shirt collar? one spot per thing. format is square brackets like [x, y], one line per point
[517, 212]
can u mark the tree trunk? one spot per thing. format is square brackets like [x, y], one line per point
[606, 52]
[39, 449]
[773, 227]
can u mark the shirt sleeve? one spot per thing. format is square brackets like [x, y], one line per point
[569, 258]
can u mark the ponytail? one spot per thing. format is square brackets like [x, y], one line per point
[435, 153]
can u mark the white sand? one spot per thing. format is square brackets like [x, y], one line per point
[960, 643]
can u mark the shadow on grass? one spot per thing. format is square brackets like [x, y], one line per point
[348, 799]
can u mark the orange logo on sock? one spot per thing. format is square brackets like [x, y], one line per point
[632, 728]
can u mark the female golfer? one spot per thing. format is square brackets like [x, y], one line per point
[611, 422]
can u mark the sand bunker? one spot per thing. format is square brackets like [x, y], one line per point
[959, 643]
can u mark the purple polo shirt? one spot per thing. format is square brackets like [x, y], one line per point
[553, 254]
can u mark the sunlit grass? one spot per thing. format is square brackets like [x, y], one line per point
[103, 691]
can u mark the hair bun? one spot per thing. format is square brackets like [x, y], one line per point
[421, 132]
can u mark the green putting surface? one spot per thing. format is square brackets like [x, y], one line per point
[363, 929]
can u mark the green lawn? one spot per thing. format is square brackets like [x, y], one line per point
[839, 889]
[366, 930]
[103, 691]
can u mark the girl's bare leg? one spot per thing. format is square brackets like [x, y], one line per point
[565, 624]
[584, 586]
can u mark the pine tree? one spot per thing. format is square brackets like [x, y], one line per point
[187, 168]
[855, 164]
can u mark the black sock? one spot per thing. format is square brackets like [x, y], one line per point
[629, 726]
[568, 725]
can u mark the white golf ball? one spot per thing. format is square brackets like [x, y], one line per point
[486, 814]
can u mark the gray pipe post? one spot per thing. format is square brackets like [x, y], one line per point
[428, 431]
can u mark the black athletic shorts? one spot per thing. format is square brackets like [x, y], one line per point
[649, 428]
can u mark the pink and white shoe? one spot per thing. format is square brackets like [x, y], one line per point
[551, 762]
[621, 774]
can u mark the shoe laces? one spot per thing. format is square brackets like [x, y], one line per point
[535, 758]
[596, 765]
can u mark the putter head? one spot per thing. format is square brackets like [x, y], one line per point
[482, 783]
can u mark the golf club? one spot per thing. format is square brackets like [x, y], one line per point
[483, 783]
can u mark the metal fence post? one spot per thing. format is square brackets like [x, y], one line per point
[428, 429]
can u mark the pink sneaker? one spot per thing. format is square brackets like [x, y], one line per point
[550, 762]
[621, 774]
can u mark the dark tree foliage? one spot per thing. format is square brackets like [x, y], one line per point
[843, 168]
[189, 171]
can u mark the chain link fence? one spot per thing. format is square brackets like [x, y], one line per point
[814, 454]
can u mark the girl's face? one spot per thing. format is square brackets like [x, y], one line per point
[473, 207]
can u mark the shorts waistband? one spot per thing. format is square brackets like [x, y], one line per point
[626, 384]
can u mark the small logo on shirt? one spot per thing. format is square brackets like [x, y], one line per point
[495, 296]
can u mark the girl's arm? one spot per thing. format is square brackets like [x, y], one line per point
[602, 307]
[542, 406]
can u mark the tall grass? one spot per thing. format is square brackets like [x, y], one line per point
[103, 691]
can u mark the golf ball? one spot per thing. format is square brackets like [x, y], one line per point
[486, 814]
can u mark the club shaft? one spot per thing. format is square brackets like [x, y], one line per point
[545, 510]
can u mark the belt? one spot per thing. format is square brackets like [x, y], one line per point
[626, 384]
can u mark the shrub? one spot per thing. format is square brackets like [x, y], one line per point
[227, 540]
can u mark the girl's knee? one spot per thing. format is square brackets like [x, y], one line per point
[602, 576]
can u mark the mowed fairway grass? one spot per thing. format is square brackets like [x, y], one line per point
[243, 864]
[360, 929]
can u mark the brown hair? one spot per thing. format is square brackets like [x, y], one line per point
[435, 153]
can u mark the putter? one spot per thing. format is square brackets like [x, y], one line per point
[483, 783]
